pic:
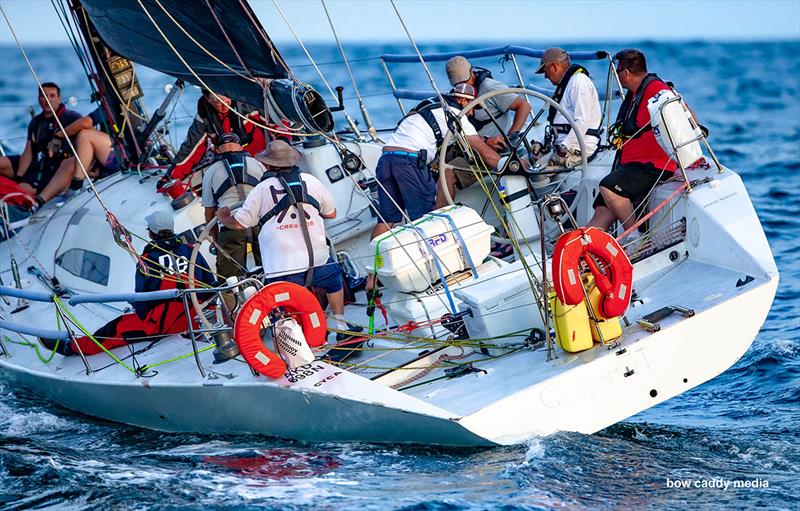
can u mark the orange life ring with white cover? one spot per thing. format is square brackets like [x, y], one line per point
[615, 284]
[299, 302]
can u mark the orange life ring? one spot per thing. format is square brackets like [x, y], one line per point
[615, 284]
[297, 301]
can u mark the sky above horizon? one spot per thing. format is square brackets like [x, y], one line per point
[451, 20]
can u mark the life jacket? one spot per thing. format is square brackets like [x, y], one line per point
[216, 125]
[295, 194]
[236, 167]
[481, 75]
[425, 110]
[625, 125]
[558, 95]
[167, 262]
[43, 128]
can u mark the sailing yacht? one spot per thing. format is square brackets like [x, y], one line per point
[462, 348]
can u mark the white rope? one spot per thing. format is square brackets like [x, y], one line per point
[53, 109]
[370, 128]
[347, 116]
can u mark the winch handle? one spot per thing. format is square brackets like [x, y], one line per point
[339, 99]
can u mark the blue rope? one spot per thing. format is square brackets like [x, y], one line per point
[421, 233]
[460, 241]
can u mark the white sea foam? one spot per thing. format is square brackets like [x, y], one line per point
[535, 449]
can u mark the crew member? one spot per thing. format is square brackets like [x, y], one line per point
[227, 183]
[95, 151]
[167, 262]
[216, 114]
[500, 108]
[403, 171]
[576, 93]
[293, 244]
[641, 162]
[42, 154]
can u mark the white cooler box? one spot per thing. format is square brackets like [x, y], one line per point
[405, 261]
[501, 304]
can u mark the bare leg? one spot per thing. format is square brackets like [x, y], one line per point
[92, 145]
[450, 177]
[336, 301]
[61, 180]
[602, 218]
[620, 206]
[6, 169]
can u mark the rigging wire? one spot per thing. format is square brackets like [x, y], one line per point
[53, 108]
[204, 84]
[350, 121]
[206, 50]
[370, 128]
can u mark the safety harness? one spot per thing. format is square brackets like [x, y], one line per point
[294, 190]
[425, 110]
[236, 167]
[481, 75]
[558, 95]
[625, 127]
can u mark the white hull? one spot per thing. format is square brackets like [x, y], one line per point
[512, 397]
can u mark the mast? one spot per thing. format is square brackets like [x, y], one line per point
[118, 89]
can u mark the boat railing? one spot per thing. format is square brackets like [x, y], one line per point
[508, 54]
[78, 299]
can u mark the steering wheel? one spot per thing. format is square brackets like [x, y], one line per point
[513, 165]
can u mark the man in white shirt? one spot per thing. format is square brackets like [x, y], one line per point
[290, 246]
[226, 183]
[576, 93]
[403, 171]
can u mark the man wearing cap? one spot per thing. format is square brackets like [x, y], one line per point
[458, 174]
[576, 93]
[641, 162]
[166, 262]
[459, 70]
[291, 207]
[403, 171]
[226, 183]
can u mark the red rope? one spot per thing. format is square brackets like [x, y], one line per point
[660, 205]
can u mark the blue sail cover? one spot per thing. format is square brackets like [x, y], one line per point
[228, 29]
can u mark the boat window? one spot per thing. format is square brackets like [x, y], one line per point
[86, 265]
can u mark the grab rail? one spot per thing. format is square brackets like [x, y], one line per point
[148, 296]
[421, 94]
[490, 52]
[34, 296]
[35, 331]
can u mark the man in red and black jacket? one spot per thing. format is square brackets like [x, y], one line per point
[641, 162]
[167, 262]
[217, 114]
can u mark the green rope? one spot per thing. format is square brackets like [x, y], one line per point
[175, 359]
[80, 327]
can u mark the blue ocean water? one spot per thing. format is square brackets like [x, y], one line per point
[741, 426]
